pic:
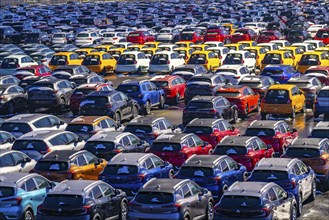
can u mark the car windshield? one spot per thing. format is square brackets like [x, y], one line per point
[51, 166]
[93, 146]
[30, 145]
[166, 147]
[159, 59]
[16, 127]
[138, 128]
[199, 105]
[128, 88]
[195, 172]
[154, 198]
[269, 175]
[79, 128]
[120, 170]
[303, 152]
[309, 59]
[127, 59]
[6, 191]
[229, 202]
[230, 150]
[277, 96]
[320, 133]
[265, 132]
[198, 130]
[91, 60]
[45, 85]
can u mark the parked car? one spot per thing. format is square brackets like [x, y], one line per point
[168, 34]
[99, 62]
[259, 84]
[322, 102]
[280, 73]
[12, 98]
[189, 70]
[140, 37]
[243, 34]
[84, 38]
[241, 58]
[15, 162]
[165, 62]
[320, 72]
[11, 63]
[39, 70]
[132, 62]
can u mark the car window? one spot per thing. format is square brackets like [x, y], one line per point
[81, 160]
[107, 190]
[190, 142]
[30, 185]
[90, 158]
[148, 164]
[282, 128]
[97, 193]
[117, 98]
[6, 161]
[279, 192]
[271, 195]
[103, 124]
[221, 126]
[18, 158]
[231, 164]
[58, 140]
[134, 140]
[198, 141]
[261, 144]
[157, 161]
[254, 145]
[53, 120]
[161, 125]
[302, 167]
[224, 166]
[41, 182]
[42, 123]
[186, 191]
[125, 141]
[195, 189]
[296, 170]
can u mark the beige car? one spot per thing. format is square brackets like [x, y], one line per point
[14, 162]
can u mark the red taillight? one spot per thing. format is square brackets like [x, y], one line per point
[236, 77]
[108, 105]
[177, 206]
[67, 62]
[118, 151]
[288, 184]
[206, 62]
[217, 180]
[155, 134]
[315, 102]
[47, 150]
[220, 57]
[186, 111]
[87, 209]
[168, 62]
[114, 38]
[245, 159]
[55, 91]
[2, 97]
[13, 201]
[281, 61]
[89, 38]
[135, 62]
[257, 57]
[263, 62]
[265, 212]
[43, 60]
[213, 111]
[141, 177]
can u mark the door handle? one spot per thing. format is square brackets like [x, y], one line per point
[188, 204]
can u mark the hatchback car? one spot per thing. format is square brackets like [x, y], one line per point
[277, 57]
[320, 130]
[280, 73]
[15, 162]
[64, 58]
[208, 59]
[320, 72]
[259, 84]
[312, 58]
[12, 99]
[132, 62]
[171, 199]
[82, 200]
[99, 62]
[322, 102]
[6, 140]
[165, 62]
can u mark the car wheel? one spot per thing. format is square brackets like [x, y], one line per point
[245, 176]
[177, 98]
[123, 210]
[61, 107]
[135, 112]
[293, 213]
[162, 102]
[316, 115]
[186, 217]
[28, 215]
[96, 217]
[211, 151]
[263, 116]
[311, 198]
[245, 113]
[300, 205]
[235, 116]
[117, 118]
[210, 211]
[293, 113]
[10, 109]
[303, 109]
[147, 108]
[171, 174]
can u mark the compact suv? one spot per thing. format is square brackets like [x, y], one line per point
[243, 34]
[14, 162]
[256, 200]
[233, 73]
[84, 199]
[67, 71]
[278, 134]
[35, 144]
[112, 103]
[140, 37]
[168, 34]
[210, 107]
[145, 93]
[12, 98]
[211, 130]
[165, 62]
[24, 123]
[18, 193]
[320, 130]
[283, 99]
[130, 171]
[291, 174]
[28, 81]
[259, 84]
[148, 128]
[6, 140]
[36, 70]
[216, 173]
[314, 152]
[12, 62]
[132, 62]
[245, 150]
[320, 72]
[176, 148]
[202, 85]
[60, 165]
[62, 38]
[322, 102]
[50, 93]
[280, 73]
[87, 126]
[84, 38]
[64, 58]
[171, 199]
[244, 58]
[108, 144]
[189, 70]
[80, 79]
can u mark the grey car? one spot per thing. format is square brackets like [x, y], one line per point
[171, 199]
[15, 162]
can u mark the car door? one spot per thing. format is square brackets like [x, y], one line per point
[283, 204]
[159, 164]
[125, 142]
[127, 104]
[102, 203]
[153, 172]
[136, 143]
[118, 100]
[234, 173]
[33, 194]
[43, 188]
[199, 202]
[90, 169]
[113, 201]
[21, 164]
[286, 133]
[307, 178]
[301, 180]
[155, 93]
[7, 164]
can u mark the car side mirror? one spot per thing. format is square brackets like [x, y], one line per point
[294, 130]
[216, 130]
[232, 128]
[11, 140]
[203, 191]
[227, 81]
[79, 139]
[27, 160]
[74, 85]
[269, 146]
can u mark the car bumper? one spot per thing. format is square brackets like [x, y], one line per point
[276, 108]
[49, 217]
[43, 103]
[11, 212]
[159, 68]
[220, 217]
[142, 215]
[321, 108]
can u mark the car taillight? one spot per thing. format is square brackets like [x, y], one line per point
[87, 209]
[155, 135]
[242, 61]
[55, 91]
[135, 62]
[89, 38]
[140, 95]
[114, 38]
[2, 97]
[322, 161]
[43, 60]
[141, 177]
[281, 61]
[67, 62]
[315, 102]
[236, 77]
[289, 184]
[220, 57]
[263, 61]
[13, 201]
[168, 62]
[39, 208]
[213, 111]
[69, 174]
[206, 62]
[186, 111]
[216, 180]
[265, 212]
[108, 105]
[47, 150]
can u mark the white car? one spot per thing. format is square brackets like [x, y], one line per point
[256, 26]
[233, 73]
[214, 43]
[15, 162]
[244, 58]
[281, 43]
[132, 62]
[305, 46]
[112, 37]
[12, 62]
[83, 38]
[164, 62]
[62, 38]
[7, 140]
[167, 47]
[168, 35]
[312, 30]
[221, 52]
[315, 43]
[269, 46]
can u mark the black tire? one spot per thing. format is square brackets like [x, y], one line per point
[316, 114]
[293, 113]
[28, 215]
[10, 108]
[61, 107]
[123, 210]
[96, 217]
[300, 205]
[245, 176]
[311, 198]
[186, 217]
[304, 108]
[211, 151]
[135, 112]
[117, 118]
[263, 116]
[171, 174]
[210, 211]
[235, 116]
[148, 107]
[293, 213]
[177, 98]
[162, 102]
[245, 113]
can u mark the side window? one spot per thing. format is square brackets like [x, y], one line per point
[198, 141]
[221, 126]
[90, 158]
[186, 191]
[103, 124]
[294, 91]
[18, 158]
[97, 193]
[157, 161]
[125, 141]
[6, 161]
[162, 125]
[271, 195]
[224, 166]
[41, 182]
[148, 87]
[58, 140]
[107, 190]
[81, 160]
[282, 128]
[134, 140]
[30, 185]
[227, 125]
[167, 124]
[153, 87]
[296, 169]
[110, 122]
[302, 167]
[117, 98]
[148, 164]
[231, 164]
[194, 188]
[43, 123]
[261, 144]
[53, 121]
[254, 145]
[190, 142]
[279, 192]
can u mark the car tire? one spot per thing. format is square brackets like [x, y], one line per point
[186, 217]
[117, 118]
[123, 210]
[96, 217]
[135, 112]
[210, 211]
[10, 109]
[304, 108]
[300, 205]
[211, 151]
[61, 107]
[311, 198]
[293, 213]
[235, 116]
[293, 113]
[245, 176]
[171, 174]
[28, 215]
[162, 102]
[177, 98]
[263, 116]
[316, 114]
[245, 113]
[147, 109]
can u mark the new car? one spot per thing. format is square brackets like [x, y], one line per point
[12, 99]
[320, 130]
[259, 84]
[322, 102]
[132, 62]
[280, 73]
[15, 162]
[165, 62]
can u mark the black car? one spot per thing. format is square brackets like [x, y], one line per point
[28, 81]
[112, 103]
[67, 71]
[8, 35]
[108, 144]
[259, 84]
[50, 93]
[202, 85]
[189, 70]
[80, 79]
[210, 107]
[12, 98]
[297, 36]
[83, 199]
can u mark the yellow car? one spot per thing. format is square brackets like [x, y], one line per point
[153, 44]
[83, 52]
[200, 47]
[283, 99]
[100, 62]
[296, 52]
[103, 48]
[206, 58]
[186, 44]
[136, 47]
[248, 43]
[64, 58]
[322, 49]
[258, 52]
[235, 47]
[277, 57]
[312, 58]
[231, 28]
[184, 52]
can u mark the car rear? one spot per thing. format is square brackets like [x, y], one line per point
[199, 109]
[206, 133]
[85, 131]
[42, 95]
[309, 90]
[277, 102]
[322, 101]
[11, 198]
[33, 148]
[133, 91]
[53, 170]
[83, 38]
[201, 87]
[127, 63]
[240, 35]
[277, 74]
[322, 75]
[169, 151]
[78, 96]
[102, 149]
[308, 60]
[266, 37]
[96, 105]
[16, 128]
[160, 63]
[143, 132]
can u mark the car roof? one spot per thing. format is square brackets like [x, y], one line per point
[201, 122]
[146, 120]
[279, 164]
[162, 185]
[108, 136]
[73, 187]
[204, 98]
[235, 141]
[60, 155]
[88, 119]
[248, 188]
[208, 161]
[171, 137]
[39, 135]
[21, 118]
[102, 93]
[307, 142]
[13, 179]
[264, 124]
[129, 158]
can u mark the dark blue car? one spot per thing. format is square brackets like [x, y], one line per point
[280, 73]
[130, 171]
[213, 172]
[145, 93]
[291, 174]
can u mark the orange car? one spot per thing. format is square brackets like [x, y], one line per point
[69, 164]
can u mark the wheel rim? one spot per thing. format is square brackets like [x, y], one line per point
[28, 215]
[314, 189]
[210, 211]
[117, 118]
[162, 101]
[177, 98]
[148, 108]
[124, 211]
[171, 174]
[300, 204]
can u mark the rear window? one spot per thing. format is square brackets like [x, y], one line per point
[15, 127]
[303, 152]
[120, 170]
[58, 60]
[269, 175]
[322, 34]
[128, 88]
[9, 63]
[196, 172]
[250, 84]
[165, 147]
[97, 100]
[320, 133]
[154, 198]
[260, 132]
[138, 129]
[83, 35]
[230, 150]
[6, 191]
[299, 84]
[29, 145]
[159, 59]
[51, 166]
[160, 84]
[198, 130]
[63, 70]
[237, 202]
[325, 73]
[134, 35]
[91, 60]
[199, 105]
[272, 72]
[197, 59]
[82, 91]
[272, 58]
[58, 35]
[324, 93]
[79, 81]
[47, 85]
[63, 200]
[228, 94]
[309, 59]
[93, 146]
[79, 128]
[127, 59]
[277, 96]
[200, 79]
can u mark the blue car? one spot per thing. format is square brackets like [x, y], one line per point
[280, 73]
[322, 104]
[145, 93]
[213, 172]
[21, 194]
[291, 174]
[130, 171]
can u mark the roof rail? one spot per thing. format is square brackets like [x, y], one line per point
[148, 182]
[115, 156]
[140, 159]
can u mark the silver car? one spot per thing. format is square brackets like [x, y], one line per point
[15, 162]
[6, 140]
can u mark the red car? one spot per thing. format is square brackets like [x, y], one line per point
[278, 134]
[244, 150]
[191, 35]
[211, 130]
[322, 34]
[217, 34]
[268, 35]
[140, 37]
[173, 86]
[243, 34]
[35, 70]
[243, 96]
[82, 91]
[177, 148]
[320, 72]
